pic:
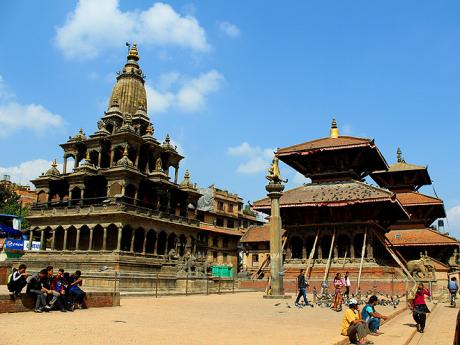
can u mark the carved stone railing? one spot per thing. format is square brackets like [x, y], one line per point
[103, 206]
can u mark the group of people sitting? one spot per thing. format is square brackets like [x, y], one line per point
[358, 325]
[48, 290]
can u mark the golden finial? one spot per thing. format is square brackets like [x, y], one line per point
[88, 157]
[133, 53]
[54, 164]
[125, 152]
[334, 133]
[274, 175]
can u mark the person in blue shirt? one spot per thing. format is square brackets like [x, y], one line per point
[372, 318]
[452, 286]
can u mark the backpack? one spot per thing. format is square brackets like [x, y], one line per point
[9, 280]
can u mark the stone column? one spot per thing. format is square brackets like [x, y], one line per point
[75, 162]
[64, 168]
[352, 249]
[336, 251]
[53, 239]
[31, 237]
[82, 196]
[104, 239]
[132, 241]
[304, 250]
[155, 247]
[120, 232]
[90, 246]
[77, 244]
[64, 245]
[276, 251]
[70, 197]
[176, 173]
[42, 240]
[145, 241]
[99, 158]
[370, 248]
[112, 153]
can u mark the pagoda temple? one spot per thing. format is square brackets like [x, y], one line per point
[338, 219]
[414, 235]
[116, 204]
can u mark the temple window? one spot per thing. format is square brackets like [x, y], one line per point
[255, 259]
[219, 221]
[220, 205]
[230, 210]
[230, 223]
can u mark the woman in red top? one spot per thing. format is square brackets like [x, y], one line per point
[419, 308]
[338, 284]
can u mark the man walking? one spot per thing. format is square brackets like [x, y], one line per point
[347, 282]
[302, 285]
[452, 286]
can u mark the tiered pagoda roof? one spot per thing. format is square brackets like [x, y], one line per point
[337, 166]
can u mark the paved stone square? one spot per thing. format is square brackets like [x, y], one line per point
[242, 318]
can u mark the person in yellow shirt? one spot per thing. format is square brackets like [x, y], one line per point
[352, 325]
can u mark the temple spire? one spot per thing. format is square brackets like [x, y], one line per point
[334, 133]
[400, 156]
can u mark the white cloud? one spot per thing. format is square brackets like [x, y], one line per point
[257, 159]
[15, 116]
[26, 171]
[176, 91]
[229, 29]
[97, 25]
[453, 217]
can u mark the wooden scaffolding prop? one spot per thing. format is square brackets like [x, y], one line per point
[310, 257]
[328, 264]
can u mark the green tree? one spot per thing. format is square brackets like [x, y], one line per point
[10, 203]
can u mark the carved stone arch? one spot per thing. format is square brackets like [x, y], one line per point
[162, 243]
[150, 242]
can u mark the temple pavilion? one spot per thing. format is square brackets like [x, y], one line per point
[413, 236]
[118, 202]
[338, 219]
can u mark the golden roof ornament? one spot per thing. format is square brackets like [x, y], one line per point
[274, 173]
[133, 54]
[167, 143]
[334, 132]
[149, 130]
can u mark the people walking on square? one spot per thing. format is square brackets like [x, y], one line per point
[302, 286]
[452, 286]
[347, 283]
[17, 281]
[371, 316]
[37, 291]
[338, 285]
[419, 307]
[353, 326]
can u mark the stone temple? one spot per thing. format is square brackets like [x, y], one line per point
[118, 204]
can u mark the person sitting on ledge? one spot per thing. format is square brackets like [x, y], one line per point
[17, 281]
[58, 290]
[371, 316]
[75, 291]
[36, 290]
[353, 326]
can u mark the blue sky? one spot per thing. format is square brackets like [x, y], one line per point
[231, 81]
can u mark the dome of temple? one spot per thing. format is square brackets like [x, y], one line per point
[128, 94]
[53, 171]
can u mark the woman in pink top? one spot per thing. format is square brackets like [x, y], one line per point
[419, 308]
[338, 284]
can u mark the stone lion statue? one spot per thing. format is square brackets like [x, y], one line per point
[421, 268]
[172, 254]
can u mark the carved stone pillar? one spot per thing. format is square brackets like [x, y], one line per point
[99, 158]
[90, 246]
[53, 239]
[42, 240]
[31, 238]
[145, 241]
[112, 153]
[120, 232]
[64, 168]
[370, 245]
[176, 173]
[155, 247]
[104, 239]
[64, 245]
[304, 250]
[132, 241]
[336, 251]
[77, 244]
[352, 249]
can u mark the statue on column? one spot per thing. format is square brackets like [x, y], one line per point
[274, 172]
